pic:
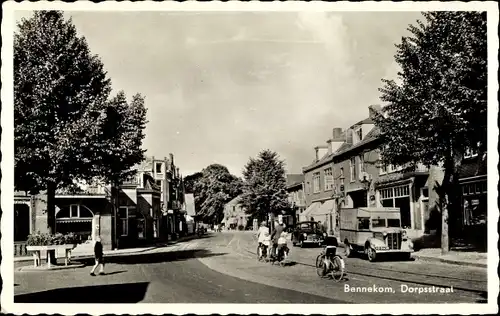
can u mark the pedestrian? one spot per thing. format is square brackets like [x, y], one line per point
[278, 229]
[321, 228]
[98, 254]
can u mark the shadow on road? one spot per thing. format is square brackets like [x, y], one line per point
[154, 257]
[114, 272]
[112, 293]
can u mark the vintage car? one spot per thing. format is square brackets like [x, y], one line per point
[307, 233]
[374, 231]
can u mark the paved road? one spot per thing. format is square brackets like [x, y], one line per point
[222, 269]
[469, 283]
[174, 276]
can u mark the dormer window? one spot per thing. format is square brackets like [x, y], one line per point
[358, 134]
[158, 167]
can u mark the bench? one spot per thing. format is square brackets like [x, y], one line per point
[37, 253]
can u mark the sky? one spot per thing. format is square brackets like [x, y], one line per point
[222, 86]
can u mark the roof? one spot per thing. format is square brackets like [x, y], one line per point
[472, 167]
[294, 179]
[367, 120]
[234, 201]
[344, 148]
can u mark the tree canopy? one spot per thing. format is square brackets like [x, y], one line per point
[438, 108]
[213, 190]
[190, 181]
[264, 190]
[65, 126]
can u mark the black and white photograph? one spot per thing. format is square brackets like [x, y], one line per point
[246, 157]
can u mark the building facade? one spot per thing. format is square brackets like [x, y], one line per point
[352, 176]
[138, 215]
[296, 196]
[235, 217]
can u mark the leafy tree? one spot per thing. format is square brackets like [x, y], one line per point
[61, 106]
[190, 181]
[213, 190]
[264, 191]
[438, 109]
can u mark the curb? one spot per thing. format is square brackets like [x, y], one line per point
[120, 252]
[52, 268]
[450, 261]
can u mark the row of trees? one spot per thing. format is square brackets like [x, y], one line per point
[67, 126]
[262, 190]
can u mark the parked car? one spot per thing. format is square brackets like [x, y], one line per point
[374, 231]
[307, 233]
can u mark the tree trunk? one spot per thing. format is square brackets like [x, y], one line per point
[450, 199]
[51, 207]
[51, 215]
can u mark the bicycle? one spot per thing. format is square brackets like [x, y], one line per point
[328, 262]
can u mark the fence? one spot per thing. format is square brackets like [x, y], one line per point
[20, 249]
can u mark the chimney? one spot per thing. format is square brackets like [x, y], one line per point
[374, 109]
[337, 133]
[338, 138]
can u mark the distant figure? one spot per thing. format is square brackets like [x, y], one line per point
[321, 228]
[99, 260]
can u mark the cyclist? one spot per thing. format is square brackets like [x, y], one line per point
[263, 237]
[282, 244]
[278, 229]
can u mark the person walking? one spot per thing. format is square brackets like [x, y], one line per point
[278, 229]
[98, 254]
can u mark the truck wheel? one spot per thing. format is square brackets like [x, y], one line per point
[372, 255]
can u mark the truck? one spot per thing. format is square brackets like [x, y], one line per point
[374, 231]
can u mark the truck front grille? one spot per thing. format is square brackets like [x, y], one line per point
[394, 241]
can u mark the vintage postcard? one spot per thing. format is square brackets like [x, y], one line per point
[247, 157]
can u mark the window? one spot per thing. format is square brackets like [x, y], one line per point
[359, 133]
[141, 228]
[342, 176]
[393, 222]
[123, 216]
[398, 197]
[74, 210]
[316, 183]
[378, 222]
[328, 179]
[383, 169]
[363, 223]
[361, 164]
[158, 167]
[392, 168]
[470, 152]
[352, 168]
[154, 215]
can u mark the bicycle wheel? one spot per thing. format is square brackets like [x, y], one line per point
[338, 268]
[320, 265]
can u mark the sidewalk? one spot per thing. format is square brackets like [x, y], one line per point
[470, 258]
[87, 250]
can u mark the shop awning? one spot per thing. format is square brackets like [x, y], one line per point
[305, 216]
[325, 209]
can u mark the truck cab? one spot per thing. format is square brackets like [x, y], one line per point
[374, 231]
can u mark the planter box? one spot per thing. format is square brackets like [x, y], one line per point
[37, 251]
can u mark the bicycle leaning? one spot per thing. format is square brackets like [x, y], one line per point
[328, 262]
